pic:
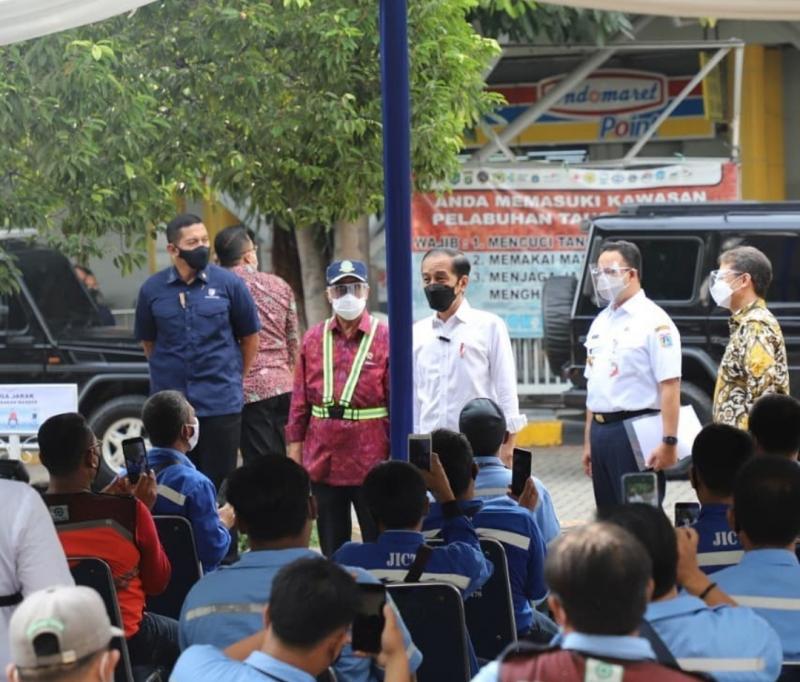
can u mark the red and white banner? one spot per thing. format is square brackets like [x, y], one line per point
[521, 225]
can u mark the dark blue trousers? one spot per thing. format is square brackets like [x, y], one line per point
[612, 456]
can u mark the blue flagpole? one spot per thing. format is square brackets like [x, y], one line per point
[397, 192]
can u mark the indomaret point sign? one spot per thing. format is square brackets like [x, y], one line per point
[521, 225]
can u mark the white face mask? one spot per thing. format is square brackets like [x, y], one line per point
[609, 287]
[722, 292]
[195, 435]
[349, 307]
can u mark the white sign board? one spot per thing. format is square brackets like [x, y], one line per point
[25, 407]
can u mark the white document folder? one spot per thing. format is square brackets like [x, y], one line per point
[645, 434]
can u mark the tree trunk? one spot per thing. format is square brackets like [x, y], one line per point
[286, 264]
[313, 261]
[352, 240]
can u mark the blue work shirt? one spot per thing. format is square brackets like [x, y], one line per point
[768, 581]
[718, 546]
[195, 328]
[504, 520]
[228, 605]
[732, 644]
[204, 662]
[622, 648]
[494, 479]
[185, 491]
[459, 562]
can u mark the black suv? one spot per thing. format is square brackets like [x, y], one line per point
[680, 246]
[51, 332]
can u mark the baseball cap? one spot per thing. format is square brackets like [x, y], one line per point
[75, 619]
[340, 269]
[484, 424]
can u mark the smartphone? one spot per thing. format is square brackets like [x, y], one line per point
[369, 621]
[419, 450]
[686, 513]
[520, 470]
[641, 487]
[135, 453]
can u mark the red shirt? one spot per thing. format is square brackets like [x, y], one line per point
[341, 451]
[124, 536]
[273, 368]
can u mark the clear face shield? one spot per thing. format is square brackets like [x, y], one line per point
[608, 282]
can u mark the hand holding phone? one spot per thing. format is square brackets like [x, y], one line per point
[419, 450]
[686, 513]
[640, 487]
[520, 470]
[134, 451]
[369, 621]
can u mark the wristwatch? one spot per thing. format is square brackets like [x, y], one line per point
[669, 440]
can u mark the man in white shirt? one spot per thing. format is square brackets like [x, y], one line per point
[31, 556]
[460, 353]
[633, 368]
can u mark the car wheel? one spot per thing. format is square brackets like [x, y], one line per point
[557, 296]
[115, 421]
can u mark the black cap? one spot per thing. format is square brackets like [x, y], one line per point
[484, 424]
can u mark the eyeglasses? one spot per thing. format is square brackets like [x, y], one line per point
[717, 275]
[596, 271]
[358, 289]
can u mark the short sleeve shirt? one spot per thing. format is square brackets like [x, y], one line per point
[630, 350]
[195, 328]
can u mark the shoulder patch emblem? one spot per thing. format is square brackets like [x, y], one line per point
[665, 340]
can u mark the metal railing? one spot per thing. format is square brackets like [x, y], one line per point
[534, 376]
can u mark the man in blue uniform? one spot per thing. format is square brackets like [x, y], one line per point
[396, 497]
[774, 424]
[501, 518]
[766, 515]
[484, 424]
[172, 427]
[718, 452]
[272, 501]
[306, 629]
[198, 326]
[701, 629]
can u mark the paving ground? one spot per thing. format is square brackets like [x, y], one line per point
[560, 470]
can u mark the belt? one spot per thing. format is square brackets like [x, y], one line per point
[613, 417]
[11, 599]
[351, 413]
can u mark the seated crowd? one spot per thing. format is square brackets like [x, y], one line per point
[625, 597]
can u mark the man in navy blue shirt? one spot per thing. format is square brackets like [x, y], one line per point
[484, 424]
[198, 326]
[172, 427]
[718, 453]
[501, 518]
[774, 424]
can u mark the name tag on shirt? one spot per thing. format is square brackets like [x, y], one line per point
[600, 671]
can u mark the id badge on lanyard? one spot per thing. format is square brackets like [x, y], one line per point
[601, 671]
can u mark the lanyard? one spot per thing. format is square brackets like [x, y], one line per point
[355, 370]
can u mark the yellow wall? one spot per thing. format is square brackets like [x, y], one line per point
[763, 166]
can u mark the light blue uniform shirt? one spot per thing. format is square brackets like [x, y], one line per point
[732, 644]
[207, 663]
[228, 605]
[608, 646]
[768, 581]
[493, 481]
[717, 546]
[183, 490]
[504, 520]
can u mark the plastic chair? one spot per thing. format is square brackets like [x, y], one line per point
[177, 538]
[96, 573]
[434, 616]
[489, 612]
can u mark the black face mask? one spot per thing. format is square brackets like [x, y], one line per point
[196, 259]
[440, 296]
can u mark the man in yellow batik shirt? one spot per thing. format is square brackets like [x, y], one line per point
[754, 362]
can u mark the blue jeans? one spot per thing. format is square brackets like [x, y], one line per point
[154, 647]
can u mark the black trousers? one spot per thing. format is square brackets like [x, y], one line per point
[334, 524]
[612, 456]
[263, 423]
[154, 647]
[218, 447]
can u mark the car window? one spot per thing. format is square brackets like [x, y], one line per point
[783, 251]
[669, 265]
[13, 319]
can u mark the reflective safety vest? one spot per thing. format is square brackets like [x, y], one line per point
[340, 409]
